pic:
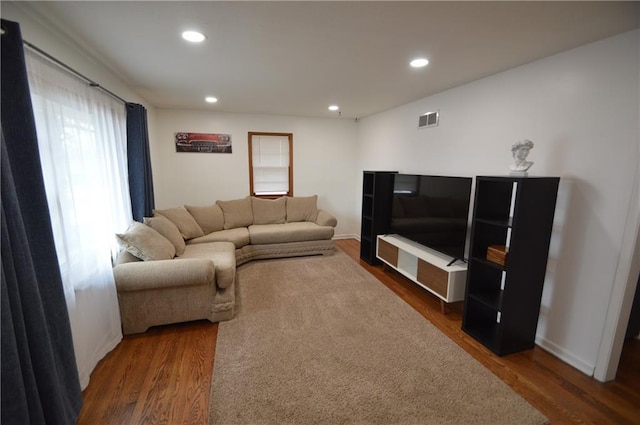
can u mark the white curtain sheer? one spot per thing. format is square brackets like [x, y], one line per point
[82, 141]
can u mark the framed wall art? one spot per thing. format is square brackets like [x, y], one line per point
[203, 142]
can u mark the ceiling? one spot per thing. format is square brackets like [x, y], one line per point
[297, 58]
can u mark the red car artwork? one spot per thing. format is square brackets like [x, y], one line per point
[203, 142]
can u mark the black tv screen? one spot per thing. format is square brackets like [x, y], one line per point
[432, 211]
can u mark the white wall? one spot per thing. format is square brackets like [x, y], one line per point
[323, 160]
[581, 109]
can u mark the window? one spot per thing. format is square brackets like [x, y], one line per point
[82, 140]
[83, 151]
[271, 164]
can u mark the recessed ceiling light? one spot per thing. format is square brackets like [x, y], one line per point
[211, 99]
[334, 107]
[419, 62]
[194, 36]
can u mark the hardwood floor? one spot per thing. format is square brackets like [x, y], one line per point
[164, 375]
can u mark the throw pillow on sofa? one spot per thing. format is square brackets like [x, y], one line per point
[237, 213]
[269, 211]
[209, 218]
[166, 228]
[145, 243]
[183, 221]
[302, 208]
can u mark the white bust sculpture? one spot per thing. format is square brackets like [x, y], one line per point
[520, 150]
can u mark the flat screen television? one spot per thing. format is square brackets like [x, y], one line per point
[432, 211]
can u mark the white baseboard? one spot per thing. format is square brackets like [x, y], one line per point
[347, 236]
[565, 356]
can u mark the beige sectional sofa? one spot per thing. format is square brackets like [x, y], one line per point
[180, 264]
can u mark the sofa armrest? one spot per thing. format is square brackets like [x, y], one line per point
[143, 275]
[326, 219]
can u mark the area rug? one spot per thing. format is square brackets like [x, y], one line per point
[319, 340]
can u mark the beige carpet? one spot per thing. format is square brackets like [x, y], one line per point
[319, 340]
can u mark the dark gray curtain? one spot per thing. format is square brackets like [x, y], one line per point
[40, 382]
[139, 162]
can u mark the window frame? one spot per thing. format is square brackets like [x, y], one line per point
[289, 136]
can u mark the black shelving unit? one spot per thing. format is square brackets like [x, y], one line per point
[377, 193]
[502, 302]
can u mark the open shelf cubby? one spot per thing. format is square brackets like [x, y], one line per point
[377, 191]
[502, 301]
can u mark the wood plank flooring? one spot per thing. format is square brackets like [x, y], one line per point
[164, 375]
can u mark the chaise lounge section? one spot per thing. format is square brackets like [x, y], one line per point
[180, 264]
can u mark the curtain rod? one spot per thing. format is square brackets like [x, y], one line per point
[73, 71]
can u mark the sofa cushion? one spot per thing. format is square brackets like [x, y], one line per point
[166, 228]
[209, 218]
[239, 237]
[183, 221]
[223, 255]
[263, 234]
[302, 208]
[125, 257]
[326, 219]
[237, 213]
[145, 243]
[269, 211]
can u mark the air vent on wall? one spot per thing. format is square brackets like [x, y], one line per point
[430, 119]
